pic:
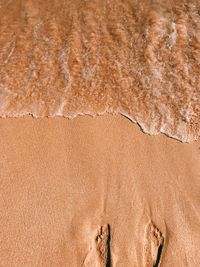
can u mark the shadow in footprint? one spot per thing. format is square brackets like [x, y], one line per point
[160, 248]
[108, 262]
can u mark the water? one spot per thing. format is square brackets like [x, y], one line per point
[140, 59]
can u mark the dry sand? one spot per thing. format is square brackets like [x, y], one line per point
[96, 192]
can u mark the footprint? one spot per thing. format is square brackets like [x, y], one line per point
[99, 254]
[154, 242]
[103, 246]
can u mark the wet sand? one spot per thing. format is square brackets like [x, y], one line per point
[136, 58]
[96, 191]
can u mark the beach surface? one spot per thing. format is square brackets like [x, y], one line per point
[96, 192]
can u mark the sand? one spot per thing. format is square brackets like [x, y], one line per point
[96, 192]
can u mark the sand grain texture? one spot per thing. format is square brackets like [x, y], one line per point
[73, 191]
[95, 191]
